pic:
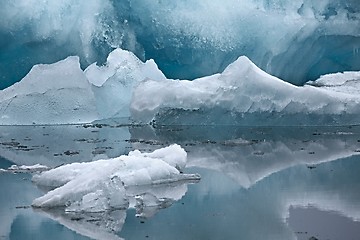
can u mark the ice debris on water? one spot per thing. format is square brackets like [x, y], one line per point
[26, 169]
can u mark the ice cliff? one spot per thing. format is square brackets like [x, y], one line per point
[296, 40]
[125, 87]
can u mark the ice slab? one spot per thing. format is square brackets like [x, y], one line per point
[100, 185]
[25, 169]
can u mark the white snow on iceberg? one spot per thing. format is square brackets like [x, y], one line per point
[114, 82]
[242, 95]
[101, 185]
[61, 93]
[125, 87]
[49, 94]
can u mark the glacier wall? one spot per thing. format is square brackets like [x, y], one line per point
[295, 40]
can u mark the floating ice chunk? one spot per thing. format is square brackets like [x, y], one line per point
[99, 185]
[23, 168]
[93, 190]
[50, 94]
[243, 94]
[115, 81]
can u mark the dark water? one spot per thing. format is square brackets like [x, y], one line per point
[257, 183]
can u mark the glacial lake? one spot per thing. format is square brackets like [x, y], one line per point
[256, 182]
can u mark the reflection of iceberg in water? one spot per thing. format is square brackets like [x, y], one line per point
[147, 201]
[250, 179]
[104, 225]
[276, 168]
[250, 154]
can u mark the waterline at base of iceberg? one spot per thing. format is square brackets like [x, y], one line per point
[126, 88]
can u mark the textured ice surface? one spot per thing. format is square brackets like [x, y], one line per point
[98, 186]
[243, 94]
[347, 82]
[50, 94]
[296, 40]
[114, 82]
[61, 93]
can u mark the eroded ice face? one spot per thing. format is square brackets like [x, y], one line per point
[295, 40]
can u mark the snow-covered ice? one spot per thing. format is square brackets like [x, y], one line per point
[242, 95]
[125, 87]
[50, 94]
[101, 185]
[114, 82]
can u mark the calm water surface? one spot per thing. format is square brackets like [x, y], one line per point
[257, 183]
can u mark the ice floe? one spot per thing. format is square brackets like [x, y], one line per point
[101, 185]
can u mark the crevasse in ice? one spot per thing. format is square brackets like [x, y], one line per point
[108, 184]
[125, 87]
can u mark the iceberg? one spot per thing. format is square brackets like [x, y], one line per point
[61, 93]
[243, 95]
[101, 185]
[114, 82]
[50, 94]
[127, 88]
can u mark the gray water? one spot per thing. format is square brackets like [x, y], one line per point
[257, 183]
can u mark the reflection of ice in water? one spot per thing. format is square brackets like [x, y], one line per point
[250, 179]
[56, 145]
[148, 181]
[102, 225]
[248, 155]
[147, 201]
[292, 169]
